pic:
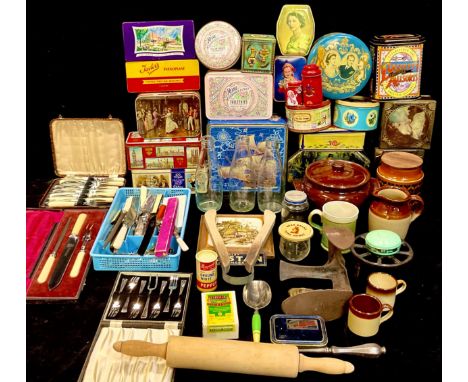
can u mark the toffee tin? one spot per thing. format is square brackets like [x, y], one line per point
[287, 69]
[218, 45]
[397, 62]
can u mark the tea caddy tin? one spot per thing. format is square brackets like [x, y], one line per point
[295, 29]
[233, 95]
[312, 85]
[218, 45]
[309, 119]
[301, 330]
[356, 113]
[345, 62]
[397, 66]
[287, 69]
[258, 53]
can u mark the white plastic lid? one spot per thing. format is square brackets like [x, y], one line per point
[295, 197]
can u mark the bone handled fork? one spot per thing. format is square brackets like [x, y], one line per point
[177, 309]
[172, 286]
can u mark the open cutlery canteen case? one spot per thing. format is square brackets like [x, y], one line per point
[103, 363]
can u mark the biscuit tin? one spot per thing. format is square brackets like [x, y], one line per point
[345, 62]
[334, 140]
[397, 66]
[356, 113]
[173, 178]
[234, 95]
[164, 75]
[295, 29]
[287, 69]
[158, 40]
[218, 45]
[258, 53]
[309, 119]
[407, 123]
[168, 115]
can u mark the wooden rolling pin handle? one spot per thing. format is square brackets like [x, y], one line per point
[325, 365]
[138, 348]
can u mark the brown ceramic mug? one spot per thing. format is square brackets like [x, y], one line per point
[385, 287]
[365, 314]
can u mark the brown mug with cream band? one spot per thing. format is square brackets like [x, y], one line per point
[385, 287]
[365, 314]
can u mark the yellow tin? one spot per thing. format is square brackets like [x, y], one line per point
[343, 140]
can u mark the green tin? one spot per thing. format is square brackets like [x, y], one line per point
[258, 53]
[383, 242]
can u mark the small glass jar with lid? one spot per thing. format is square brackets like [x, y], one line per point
[294, 242]
[295, 206]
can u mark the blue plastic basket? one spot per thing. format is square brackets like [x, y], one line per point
[126, 259]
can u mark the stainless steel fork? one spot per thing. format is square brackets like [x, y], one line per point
[177, 309]
[144, 314]
[116, 305]
[157, 307]
[172, 286]
[131, 285]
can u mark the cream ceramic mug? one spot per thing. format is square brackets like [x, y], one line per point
[365, 314]
[338, 214]
[385, 287]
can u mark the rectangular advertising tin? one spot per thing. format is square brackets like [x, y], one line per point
[258, 53]
[333, 140]
[174, 178]
[158, 40]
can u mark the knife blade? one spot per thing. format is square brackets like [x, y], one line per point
[149, 231]
[50, 260]
[67, 253]
[142, 220]
[116, 227]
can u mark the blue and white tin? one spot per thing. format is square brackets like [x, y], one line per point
[345, 62]
[356, 113]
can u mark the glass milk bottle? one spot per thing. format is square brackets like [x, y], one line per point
[270, 186]
[242, 176]
[208, 182]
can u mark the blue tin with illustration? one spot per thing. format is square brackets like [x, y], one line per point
[356, 113]
[287, 69]
[225, 132]
[345, 62]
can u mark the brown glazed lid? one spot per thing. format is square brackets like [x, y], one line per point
[402, 160]
[337, 174]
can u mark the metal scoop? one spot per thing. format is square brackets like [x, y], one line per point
[256, 295]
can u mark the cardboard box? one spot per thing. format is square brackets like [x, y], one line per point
[219, 315]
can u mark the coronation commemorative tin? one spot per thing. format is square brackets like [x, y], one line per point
[397, 66]
[258, 53]
[218, 45]
[158, 40]
[356, 113]
[233, 95]
[287, 69]
[345, 62]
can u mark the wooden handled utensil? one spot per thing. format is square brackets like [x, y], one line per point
[276, 360]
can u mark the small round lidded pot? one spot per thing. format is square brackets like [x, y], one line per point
[295, 240]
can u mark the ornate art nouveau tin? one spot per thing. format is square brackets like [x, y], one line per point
[218, 45]
[356, 113]
[345, 62]
[295, 29]
[397, 66]
[309, 119]
[233, 95]
[287, 69]
[258, 53]
[407, 123]
[158, 40]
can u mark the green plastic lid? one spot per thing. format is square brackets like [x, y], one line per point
[383, 242]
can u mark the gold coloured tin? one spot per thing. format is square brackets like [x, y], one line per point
[258, 53]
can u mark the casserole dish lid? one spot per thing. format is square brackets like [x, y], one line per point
[337, 174]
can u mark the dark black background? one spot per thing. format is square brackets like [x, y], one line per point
[75, 67]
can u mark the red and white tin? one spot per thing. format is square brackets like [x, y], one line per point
[207, 273]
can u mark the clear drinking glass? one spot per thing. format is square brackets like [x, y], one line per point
[242, 176]
[208, 182]
[270, 184]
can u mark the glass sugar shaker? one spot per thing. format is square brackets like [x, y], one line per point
[294, 242]
[295, 206]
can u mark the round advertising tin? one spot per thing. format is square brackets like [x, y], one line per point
[309, 119]
[345, 62]
[207, 275]
[356, 113]
[218, 45]
[397, 60]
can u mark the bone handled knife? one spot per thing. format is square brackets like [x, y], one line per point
[128, 221]
[116, 227]
[67, 253]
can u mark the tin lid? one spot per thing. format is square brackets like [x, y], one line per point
[324, 103]
[311, 70]
[337, 174]
[402, 160]
[295, 197]
[295, 231]
[357, 101]
[218, 45]
[383, 242]
[397, 39]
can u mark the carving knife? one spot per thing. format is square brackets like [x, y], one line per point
[50, 260]
[67, 253]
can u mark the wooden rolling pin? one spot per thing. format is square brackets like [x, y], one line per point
[275, 360]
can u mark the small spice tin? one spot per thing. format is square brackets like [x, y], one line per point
[383, 242]
[218, 45]
[345, 62]
[207, 275]
[258, 53]
[295, 29]
[309, 119]
[295, 240]
[397, 66]
[356, 113]
[233, 95]
[300, 330]
[287, 69]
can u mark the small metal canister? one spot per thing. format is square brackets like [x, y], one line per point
[397, 66]
[311, 85]
[207, 276]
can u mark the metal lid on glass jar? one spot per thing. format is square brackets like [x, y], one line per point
[218, 45]
[295, 231]
[383, 242]
[295, 197]
[337, 174]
